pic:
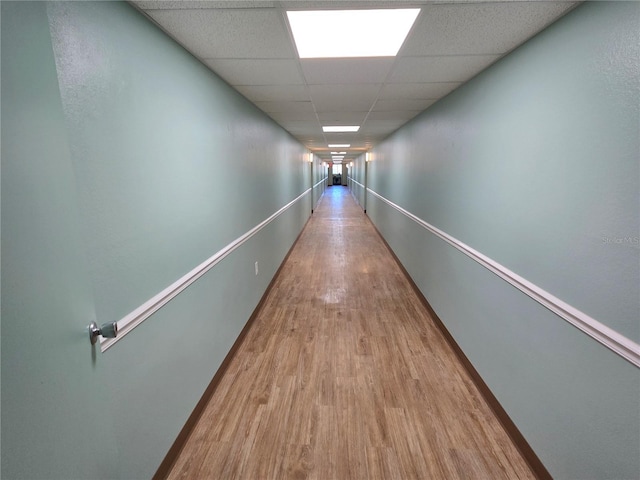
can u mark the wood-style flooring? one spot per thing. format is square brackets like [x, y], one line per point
[344, 375]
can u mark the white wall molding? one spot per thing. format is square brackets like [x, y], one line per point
[151, 306]
[320, 182]
[618, 343]
[357, 183]
[352, 190]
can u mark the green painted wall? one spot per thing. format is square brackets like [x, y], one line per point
[125, 164]
[53, 396]
[535, 163]
[318, 174]
[357, 177]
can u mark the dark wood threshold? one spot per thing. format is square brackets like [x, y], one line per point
[172, 455]
[538, 468]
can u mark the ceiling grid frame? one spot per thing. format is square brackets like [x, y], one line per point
[449, 43]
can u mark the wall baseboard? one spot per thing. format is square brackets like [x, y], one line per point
[172, 455]
[538, 468]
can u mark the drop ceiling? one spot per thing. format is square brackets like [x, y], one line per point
[249, 44]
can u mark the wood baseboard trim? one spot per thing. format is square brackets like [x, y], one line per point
[172, 455]
[538, 468]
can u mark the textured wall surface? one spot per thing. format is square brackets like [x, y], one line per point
[318, 180]
[535, 164]
[125, 164]
[358, 180]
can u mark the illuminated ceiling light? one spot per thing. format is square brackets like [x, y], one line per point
[338, 153]
[340, 128]
[355, 33]
[339, 145]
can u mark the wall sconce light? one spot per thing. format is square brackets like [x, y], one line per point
[310, 157]
[367, 157]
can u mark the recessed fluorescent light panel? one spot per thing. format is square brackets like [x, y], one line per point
[354, 33]
[340, 128]
[338, 153]
[339, 145]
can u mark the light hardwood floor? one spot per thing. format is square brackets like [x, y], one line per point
[343, 375]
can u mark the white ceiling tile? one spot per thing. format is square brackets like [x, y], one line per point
[318, 71]
[355, 145]
[309, 128]
[291, 116]
[346, 137]
[212, 33]
[273, 107]
[479, 28]
[371, 139]
[417, 90]
[315, 140]
[396, 115]
[341, 118]
[440, 69]
[248, 44]
[192, 4]
[403, 104]
[382, 127]
[267, 93]
[343, 98]
[257, 72]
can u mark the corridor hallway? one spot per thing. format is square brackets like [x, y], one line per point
[343, 375]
